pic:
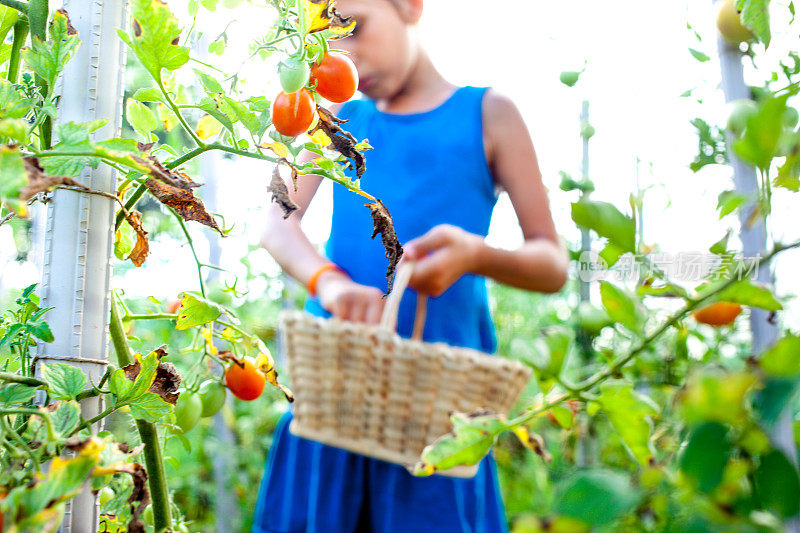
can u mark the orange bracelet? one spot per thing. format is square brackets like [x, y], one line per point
[312, 283]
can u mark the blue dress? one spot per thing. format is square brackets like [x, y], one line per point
[428, 169]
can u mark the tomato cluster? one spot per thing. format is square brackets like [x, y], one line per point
[192, 405]
[333, 77]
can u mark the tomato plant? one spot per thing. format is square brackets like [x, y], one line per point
[188, 410]
[335, 76]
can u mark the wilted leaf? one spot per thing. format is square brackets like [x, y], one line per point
[183, 201]
[141, 248]
[382, 223]
[343, 142]
[165, 379]
[533, 441]
[280, 194]
[322, 15]
[39, 182]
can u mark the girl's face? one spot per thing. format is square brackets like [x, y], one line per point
[381, 46]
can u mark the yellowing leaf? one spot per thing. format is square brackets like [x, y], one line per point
[207, 127]
[167, 117]
[280, 149]
[209, 338]
[322, 15]
[321, 138]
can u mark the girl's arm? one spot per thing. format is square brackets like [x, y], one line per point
[540, 264]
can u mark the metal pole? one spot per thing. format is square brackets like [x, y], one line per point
[78, 236]
[754, 242]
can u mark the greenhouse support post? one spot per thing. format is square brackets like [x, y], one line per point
[754, 243]
[78, 234]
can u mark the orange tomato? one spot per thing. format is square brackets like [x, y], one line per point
[293, 113]
[718, 314]
[245, 382]
[336, 77]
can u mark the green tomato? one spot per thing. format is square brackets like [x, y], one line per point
[569, 77]
[592, 319]
[587, 131]
[212, 396]
[741, 111]
[293, 75]
[104, 496]
[147, 515]
[187, 411]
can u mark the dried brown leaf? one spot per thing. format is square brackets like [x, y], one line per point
[142, 248]
[382, 222]
[167, 379]
[183, 201]
[70, 29]
[170, 177]
[39, 182]
[280, 193]
[342, 141]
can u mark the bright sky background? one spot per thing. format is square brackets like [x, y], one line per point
[638, 65]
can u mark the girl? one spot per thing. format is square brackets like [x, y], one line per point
[440, 154]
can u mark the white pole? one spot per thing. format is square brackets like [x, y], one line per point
[78, 237]
[754, 242]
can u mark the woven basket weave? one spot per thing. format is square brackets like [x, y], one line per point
[367, 390]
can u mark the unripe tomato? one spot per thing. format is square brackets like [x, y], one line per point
[187, 411]
[569, 77]
[729, 23]
[104, 496]
[790, 117]
[293, 113]
[293, 75]
[212, 395]
[245, 382]
[718, 314]
[336, 77]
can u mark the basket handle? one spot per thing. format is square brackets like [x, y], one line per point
[392, 306]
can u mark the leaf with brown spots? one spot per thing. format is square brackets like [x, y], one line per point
[183, 201]
[382, 222]
[39, 182]
[170, 177]
[342, 141]
[166, 382]
[280, 193]
[322, 15]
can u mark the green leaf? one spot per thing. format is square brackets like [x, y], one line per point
[607, 221]
[66, 418]
[248, 119]
[13, 176]
[150, 407]
[196, 310]
[777, 485]
[629, 413]
[698, 55]
[597, 497]
[554, 346]
[563, 415]
[705, 456]
[13, 103]
[64, 382]
[147, 373]
[470, 441]
[621, 306]
[772, 399]
[155, 37]
[782, 358]
[41, 330]
[12, 393]
[715, 397]
[47, 59]
[124, 241]
[755, 17]
[210, 84]
[8, 17]
[14, 128]
[750, 293]
[759, 142]
[119, 385]
[721, 246]
[149, 94]
[141, 118]
[728, 201]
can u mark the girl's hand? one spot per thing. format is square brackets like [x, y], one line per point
[348, 300]
[442, 256]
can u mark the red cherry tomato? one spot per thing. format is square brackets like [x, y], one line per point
[293, 113]
[245, 382]
[336, 77]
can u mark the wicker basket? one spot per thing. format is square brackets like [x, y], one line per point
[367, 390]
